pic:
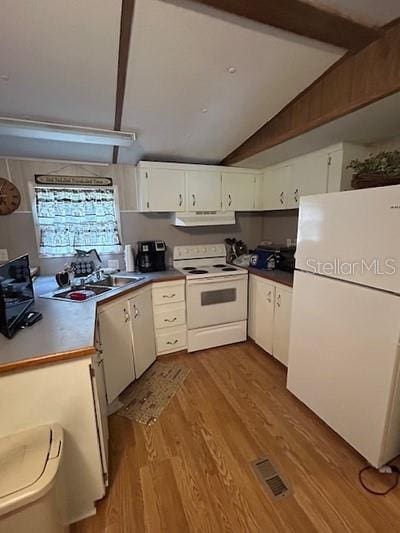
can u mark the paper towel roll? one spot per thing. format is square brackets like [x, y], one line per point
[129, 260]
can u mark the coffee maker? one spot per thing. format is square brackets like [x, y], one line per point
[151, 256]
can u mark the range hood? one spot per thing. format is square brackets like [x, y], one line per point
[203, 218]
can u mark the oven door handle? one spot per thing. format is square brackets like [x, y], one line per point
[219, 279]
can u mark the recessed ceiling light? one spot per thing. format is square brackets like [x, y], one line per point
[231, 70]
[204, 110]
[5, 77]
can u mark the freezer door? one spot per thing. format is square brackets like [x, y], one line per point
[343, 360]
[352, 235]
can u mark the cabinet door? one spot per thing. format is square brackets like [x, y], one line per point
[144, 348]
[261, 309]
[238, 191]
[310, 176]
[116, 345]
[283, 308]
[203, 191]
[100, 404]
[165, 189]
[276, 183]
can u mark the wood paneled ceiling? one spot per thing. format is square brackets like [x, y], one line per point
[166, 76]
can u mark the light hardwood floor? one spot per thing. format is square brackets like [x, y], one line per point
[190, 472]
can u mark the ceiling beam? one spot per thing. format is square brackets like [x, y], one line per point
[355, 81]
[301, 18]
[127, 10]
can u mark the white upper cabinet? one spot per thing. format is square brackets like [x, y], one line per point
[315, 173]
[277, 181]
[160, 189]
[238, 191]
[203, 190]
[310, 176]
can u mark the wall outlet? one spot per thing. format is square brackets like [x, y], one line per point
[3, 254]
[113, 263]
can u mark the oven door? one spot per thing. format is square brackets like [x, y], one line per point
[213, 301]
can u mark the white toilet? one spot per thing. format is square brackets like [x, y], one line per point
[31, 489]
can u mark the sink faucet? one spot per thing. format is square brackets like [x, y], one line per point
[96, 275]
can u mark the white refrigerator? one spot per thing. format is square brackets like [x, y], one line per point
[344, 355]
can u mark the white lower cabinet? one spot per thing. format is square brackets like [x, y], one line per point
[261, 312]
[283, 308]
[169, 309]
[115, 337]
[126, 340]
[144, 349]
[269, 316]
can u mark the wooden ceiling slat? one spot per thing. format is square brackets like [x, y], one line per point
[355, 81]
[301, 18]
[127, 11]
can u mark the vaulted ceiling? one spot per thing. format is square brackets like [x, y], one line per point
[199, 81]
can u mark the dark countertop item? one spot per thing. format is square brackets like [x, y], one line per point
[279, 276]
[67, 328]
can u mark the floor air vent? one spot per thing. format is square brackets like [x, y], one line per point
[270, 478]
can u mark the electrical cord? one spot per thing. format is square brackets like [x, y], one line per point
[389, 469]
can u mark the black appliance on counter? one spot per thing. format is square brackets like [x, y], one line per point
[16, 294]
[151, 256]
[274, 257]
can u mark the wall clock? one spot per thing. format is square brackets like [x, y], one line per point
[10, 197]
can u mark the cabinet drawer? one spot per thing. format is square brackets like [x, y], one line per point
[168, 294]
[167, 316]
[171, 339]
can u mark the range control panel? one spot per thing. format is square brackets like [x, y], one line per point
[200, 251]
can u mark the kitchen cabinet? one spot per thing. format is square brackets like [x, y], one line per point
[339, 176]
[141, 312]
[281, 330]
[269, 316]
[238, 191]
[315, 173]
[261, 312]
[169, 309]
[309, 176]
[116, 346]
[276, 187]
[160, 189]
[100, 402]
[203, 190]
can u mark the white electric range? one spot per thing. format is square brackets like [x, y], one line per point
[216, 296]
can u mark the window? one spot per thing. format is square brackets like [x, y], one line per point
[76, 217]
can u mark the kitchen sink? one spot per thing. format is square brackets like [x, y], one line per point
[97, 287]
[115, 281]
[64, 295]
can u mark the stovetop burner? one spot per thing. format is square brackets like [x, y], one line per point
[189, 268]
[195, 271]
[219, 266]
[229, 269]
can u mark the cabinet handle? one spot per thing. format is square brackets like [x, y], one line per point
[194, 200]
[281, 197]
[172, 342]
[278, 301]
[229, 200]
[296, 196]
[169, 295]
[127, 317]
[136, 311]
[170, 319]
[269, 297]
[180, 200]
